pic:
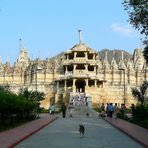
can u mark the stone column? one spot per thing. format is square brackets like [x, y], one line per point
[86, 82]
[74, 68]
[95, 70]
[86, 68]
[57, 85]
[74, 89]
[93, 56]
[86, 55]
[65, 85]
[75, 55]
[66, 69]
[95, 83]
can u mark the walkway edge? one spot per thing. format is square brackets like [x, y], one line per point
[11, 138]
[137, 139]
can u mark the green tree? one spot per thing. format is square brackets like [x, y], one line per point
[31, 95]
[138, 17]
[138, 14]
[34, 96]
[140, 93]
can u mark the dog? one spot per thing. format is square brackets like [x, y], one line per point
[87, 114]
[81, 129]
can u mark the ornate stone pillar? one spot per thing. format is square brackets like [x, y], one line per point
[67, 57]
[95, 83]
[95, 70]
[74, 68]
[66, 69]
[93, 56]
[65, 85]
[75, 55]
[86, 55]
[86, 82]
[86, 68]
[74, 89]
[57, 85]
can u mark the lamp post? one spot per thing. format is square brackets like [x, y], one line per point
[36, 89]
[122, 69]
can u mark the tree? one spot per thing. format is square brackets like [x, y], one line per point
[32, 95]
[138, 14]
[145, 53]
[140, 93]
[138, 17]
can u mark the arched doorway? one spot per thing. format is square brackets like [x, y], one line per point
[80, 85]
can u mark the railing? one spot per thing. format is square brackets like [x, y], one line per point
[81, 73]
[80, 60]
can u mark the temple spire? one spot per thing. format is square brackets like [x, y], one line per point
[80, 36]
[20, 44]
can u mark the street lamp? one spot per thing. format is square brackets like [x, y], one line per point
[123, 69]
[37, 69]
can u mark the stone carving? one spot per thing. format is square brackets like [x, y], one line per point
[79, 69]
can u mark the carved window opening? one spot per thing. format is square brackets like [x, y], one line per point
[61, 84]
[91, 83]
[80, 54]
[70, 68]
[100, 84]
[80, 67]
[90, 56]
[69, 83]
[90, 68]
[71, 56]
[80, 85]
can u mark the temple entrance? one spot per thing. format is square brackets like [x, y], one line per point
[80, 86]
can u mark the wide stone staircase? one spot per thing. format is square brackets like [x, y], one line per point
[81, 111]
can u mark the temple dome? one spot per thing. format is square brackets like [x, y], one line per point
[81, 47]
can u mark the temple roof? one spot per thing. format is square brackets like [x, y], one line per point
[81, 47]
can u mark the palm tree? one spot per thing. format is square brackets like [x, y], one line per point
[140, 93]
[32, 95]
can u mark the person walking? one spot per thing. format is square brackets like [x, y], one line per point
[115, 111]
[52, 109]
[110, 109]
[63, 110]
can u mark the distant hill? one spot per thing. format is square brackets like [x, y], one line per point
[110, 55]
[117, 56]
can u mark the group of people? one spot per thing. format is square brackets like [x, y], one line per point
[110, 110]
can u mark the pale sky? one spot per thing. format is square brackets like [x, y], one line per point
[49, 27]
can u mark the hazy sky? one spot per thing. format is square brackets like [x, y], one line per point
[48, 27]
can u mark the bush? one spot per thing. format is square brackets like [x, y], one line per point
[140, 113]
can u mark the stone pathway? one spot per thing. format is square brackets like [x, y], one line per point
[63, 133]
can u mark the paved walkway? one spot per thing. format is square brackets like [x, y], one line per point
[63, 133]
[10, 138]
[138, 133]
